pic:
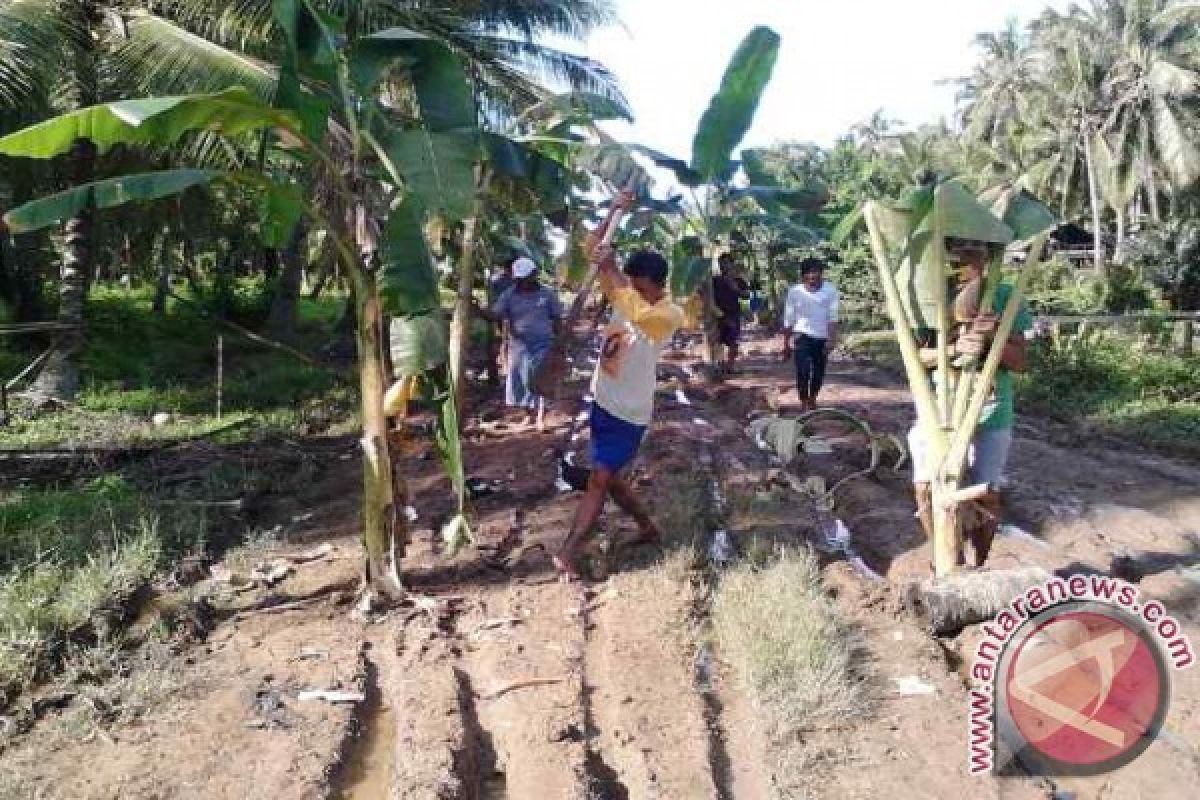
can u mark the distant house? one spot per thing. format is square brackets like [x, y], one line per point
[1070, 242]
[1075, 244]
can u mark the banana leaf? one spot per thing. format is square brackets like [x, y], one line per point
[687, 275]
[437, 76]
[683, 173]
[548, 179]
[439, 389]
[108, 193]
[280, 209]
[613, 163]
[407, 281]
[311, 36]
[438, 168]
[731, 111]
[1020, 211]
[777, 199]
[151, 121]
[910, 232]
[419, 343]
[311, 41]
[846, 227]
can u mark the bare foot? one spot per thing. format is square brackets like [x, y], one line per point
[568, 569]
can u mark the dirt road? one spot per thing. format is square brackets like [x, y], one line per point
[508, 684]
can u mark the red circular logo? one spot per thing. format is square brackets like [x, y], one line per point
[1085, 690]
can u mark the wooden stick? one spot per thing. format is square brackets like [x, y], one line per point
[938, 256]
[37, 362]
[252, 336]
[612, 223]
[220, 371]
[918, 379]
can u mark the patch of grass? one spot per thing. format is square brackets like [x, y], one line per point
[878, 346]
[1120, 384]
[138, 364]
[791, 653]
[64, 555]
[1125, 385]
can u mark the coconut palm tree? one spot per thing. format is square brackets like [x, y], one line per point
[1151, 82]
[996, 96]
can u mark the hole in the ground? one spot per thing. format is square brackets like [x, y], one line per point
[480, 766]
[367, 774]
[603, 781]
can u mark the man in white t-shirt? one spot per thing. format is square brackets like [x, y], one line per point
[810, 329]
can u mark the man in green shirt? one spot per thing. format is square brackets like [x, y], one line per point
[990, 446]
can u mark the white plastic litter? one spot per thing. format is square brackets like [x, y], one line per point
[817, 447]
[861, 567]
[701, 422]
[720, 550]
[912, 686]
[1015, 532]
[411, 514]
[681, 398]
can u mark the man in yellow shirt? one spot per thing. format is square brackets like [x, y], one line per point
[643, 321]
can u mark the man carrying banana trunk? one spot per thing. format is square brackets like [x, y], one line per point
[988, 456]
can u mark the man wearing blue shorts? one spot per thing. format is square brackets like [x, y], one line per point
[643, 321]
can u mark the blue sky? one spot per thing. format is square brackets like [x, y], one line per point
[840, 60]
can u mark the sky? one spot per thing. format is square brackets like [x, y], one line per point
[840, 61]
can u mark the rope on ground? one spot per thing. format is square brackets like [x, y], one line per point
[787, 437]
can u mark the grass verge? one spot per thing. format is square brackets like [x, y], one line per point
[65, 557]
[1113, 382]
[793, 656]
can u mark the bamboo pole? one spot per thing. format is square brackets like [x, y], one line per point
[918, 379]
[938, 255]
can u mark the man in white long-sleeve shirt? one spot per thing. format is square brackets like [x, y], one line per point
[810, 329]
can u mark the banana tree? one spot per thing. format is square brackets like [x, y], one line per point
[909, 244]
[718, 203]
[383, 180]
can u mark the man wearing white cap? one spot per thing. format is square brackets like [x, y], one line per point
[533, 313]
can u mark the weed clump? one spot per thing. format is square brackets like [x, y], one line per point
[792, 654]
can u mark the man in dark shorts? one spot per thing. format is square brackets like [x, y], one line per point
[643, 322]
[728, 292]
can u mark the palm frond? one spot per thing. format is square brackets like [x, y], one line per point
[161, 57]
[35, 40]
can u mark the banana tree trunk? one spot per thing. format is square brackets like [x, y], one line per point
[1152, 196]
[460, 324]
[1094, 199]
[383, 526]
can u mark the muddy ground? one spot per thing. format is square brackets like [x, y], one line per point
[504, 683]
